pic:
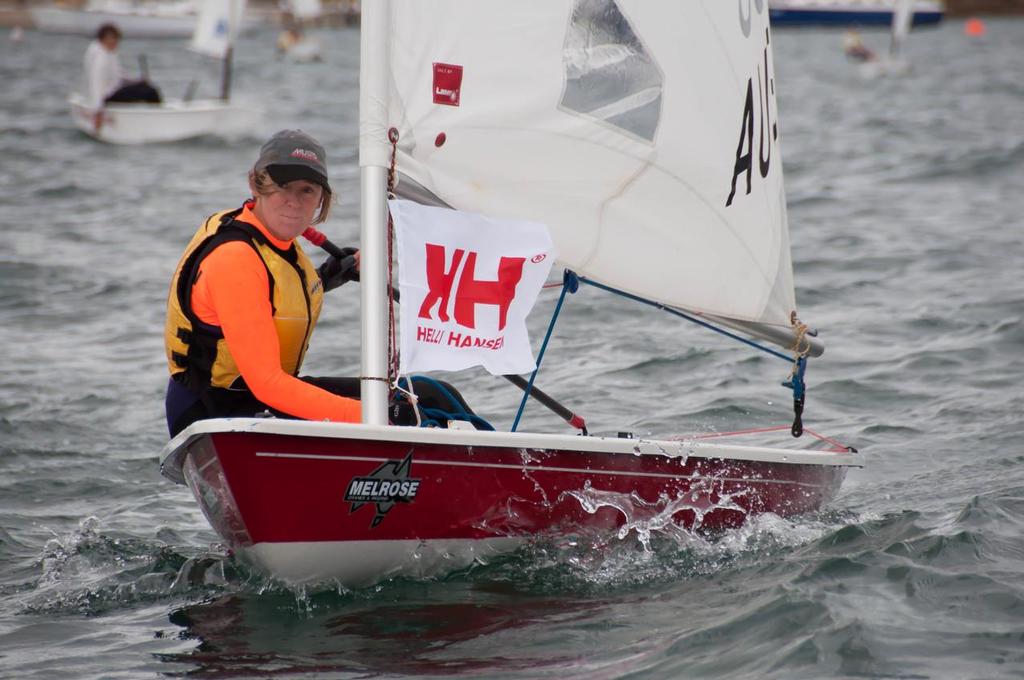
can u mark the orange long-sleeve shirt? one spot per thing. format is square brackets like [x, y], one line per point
[233, 292]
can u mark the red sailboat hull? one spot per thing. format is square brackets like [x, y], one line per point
[314, 501]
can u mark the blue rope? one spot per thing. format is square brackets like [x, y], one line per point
[570, 284]
[796, 382]
[699, 322]
[436, 416]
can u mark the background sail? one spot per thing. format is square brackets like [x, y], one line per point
[305, 9]
[620, 125]
[902, 18]
[217, 26]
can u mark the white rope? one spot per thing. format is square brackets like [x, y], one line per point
[410, 396]
[801, 344]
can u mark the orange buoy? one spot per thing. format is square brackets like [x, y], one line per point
[974, 27]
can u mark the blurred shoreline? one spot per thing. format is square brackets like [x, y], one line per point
[336, 13]
[343, 12]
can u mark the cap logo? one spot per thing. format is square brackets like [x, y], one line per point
[305, 154]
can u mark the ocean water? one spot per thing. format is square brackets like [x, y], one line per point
[906, 196]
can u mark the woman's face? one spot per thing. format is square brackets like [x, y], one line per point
[288, 211]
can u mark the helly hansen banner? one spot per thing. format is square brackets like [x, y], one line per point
[467, 282]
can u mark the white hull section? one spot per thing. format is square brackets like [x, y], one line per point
[305, 51]
[363, 563]
[170, 121]
[134, 24]
[884, 67]
[87, 22]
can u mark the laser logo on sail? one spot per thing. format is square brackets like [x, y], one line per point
[447, 84]
[384, 487]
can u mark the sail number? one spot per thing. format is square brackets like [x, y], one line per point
[768, 130]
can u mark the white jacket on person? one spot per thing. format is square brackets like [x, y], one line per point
[102, 73]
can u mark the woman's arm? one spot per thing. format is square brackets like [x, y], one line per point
[233, 292]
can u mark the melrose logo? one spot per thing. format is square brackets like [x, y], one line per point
[389, 484]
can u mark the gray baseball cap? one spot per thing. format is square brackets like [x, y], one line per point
[292, 154]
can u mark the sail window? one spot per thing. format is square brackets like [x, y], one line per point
[609, 75]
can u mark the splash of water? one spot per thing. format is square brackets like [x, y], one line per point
[651, 546]
[646, 518]
[88, 572]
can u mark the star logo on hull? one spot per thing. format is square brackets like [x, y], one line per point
[384, 487]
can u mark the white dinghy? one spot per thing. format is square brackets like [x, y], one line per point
[896, 62]
[642, 137]
[176, 119]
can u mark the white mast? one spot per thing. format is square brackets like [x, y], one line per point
[374, 160]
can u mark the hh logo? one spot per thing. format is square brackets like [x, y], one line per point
[471, 291]
[447, 84]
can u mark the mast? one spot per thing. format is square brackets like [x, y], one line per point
[225, 74]
[234, 18]
[374, 159]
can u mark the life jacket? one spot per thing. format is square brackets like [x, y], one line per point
[197, 354]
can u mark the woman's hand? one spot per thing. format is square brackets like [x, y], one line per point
[336, 271]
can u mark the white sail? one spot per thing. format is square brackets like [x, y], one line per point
[902, 17]
[217, 26]
[643, 134]
[305, 9]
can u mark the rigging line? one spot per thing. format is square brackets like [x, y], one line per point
[699, 322]
[393, 359]
[570, 285]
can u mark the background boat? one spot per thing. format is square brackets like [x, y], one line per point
[214, 35]
[849, 12]
[170, 121]
[136, 20]
[894, 62]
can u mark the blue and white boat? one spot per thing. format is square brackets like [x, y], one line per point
[848, 12]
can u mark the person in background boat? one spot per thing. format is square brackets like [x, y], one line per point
[293, 42]
[245, 298]
[288, 38]
[855, 49]
[103, 75]
[291, 33]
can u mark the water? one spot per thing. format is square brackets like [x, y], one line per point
[905, 210]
